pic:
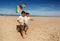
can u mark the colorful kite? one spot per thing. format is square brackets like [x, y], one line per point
[18, 9]
[24, 5]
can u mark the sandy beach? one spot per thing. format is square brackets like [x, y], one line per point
[40, 29]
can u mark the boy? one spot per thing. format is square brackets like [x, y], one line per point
[27, 18]
[21, 21]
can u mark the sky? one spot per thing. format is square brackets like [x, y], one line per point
[34, 7]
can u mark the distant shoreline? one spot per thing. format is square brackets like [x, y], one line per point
[31, 16]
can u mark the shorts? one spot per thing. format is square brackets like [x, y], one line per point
[21, 27]
[25, 25]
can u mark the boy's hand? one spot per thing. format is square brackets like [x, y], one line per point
[18, 22]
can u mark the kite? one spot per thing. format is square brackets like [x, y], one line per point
[24, 5]
[18, 9]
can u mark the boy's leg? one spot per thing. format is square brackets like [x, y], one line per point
[21, 31]
[25, 26]
[18, 27]
[26, 30]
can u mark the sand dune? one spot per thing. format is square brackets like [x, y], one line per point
[40, 29]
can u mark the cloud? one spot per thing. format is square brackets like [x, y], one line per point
[45, 13]
[42, 11]
[6, 11]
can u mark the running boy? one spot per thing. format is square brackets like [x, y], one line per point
[21, 21]
[27, 18]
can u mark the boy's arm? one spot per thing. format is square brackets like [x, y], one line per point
[18, 21]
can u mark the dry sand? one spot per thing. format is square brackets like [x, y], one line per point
[41, 29]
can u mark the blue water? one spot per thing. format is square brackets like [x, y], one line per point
[30, 15]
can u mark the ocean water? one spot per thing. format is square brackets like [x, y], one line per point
[30, 15]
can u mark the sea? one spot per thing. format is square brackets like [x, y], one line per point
[30, 15]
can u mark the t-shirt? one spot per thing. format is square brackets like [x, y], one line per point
[21, 19]
[27, 19]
